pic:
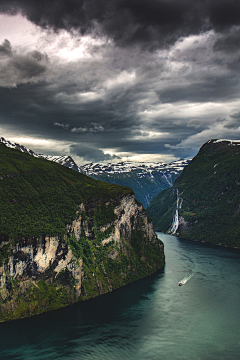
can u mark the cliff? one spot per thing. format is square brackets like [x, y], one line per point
[204, 203]
[47, 262]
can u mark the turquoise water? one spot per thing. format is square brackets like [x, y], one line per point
[151, 319]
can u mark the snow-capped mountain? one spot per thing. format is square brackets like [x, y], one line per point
[146, 179]
[62, 160]
[129, 166]
[22, 148]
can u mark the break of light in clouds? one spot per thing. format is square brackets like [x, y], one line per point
[116, 80]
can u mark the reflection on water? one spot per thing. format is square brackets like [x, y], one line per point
[151, 319]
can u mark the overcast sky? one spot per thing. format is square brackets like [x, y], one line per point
[112, 80]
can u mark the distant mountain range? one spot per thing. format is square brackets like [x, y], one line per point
[204, 203]
[145, 179]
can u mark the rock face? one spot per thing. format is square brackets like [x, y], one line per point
[94, 257]
[203, 205]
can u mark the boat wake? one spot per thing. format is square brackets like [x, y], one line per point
[185, 279]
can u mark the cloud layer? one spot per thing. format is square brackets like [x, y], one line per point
[130, 22]
[117, 79]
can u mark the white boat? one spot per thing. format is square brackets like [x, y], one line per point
[182, 282]
[185, 280]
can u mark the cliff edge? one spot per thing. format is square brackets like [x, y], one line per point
[47, 261]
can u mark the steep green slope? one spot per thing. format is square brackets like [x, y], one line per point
[207, 196]
[40, 197]
[65, 237]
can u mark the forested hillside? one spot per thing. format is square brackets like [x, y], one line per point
[41, 197]
[65, 237]
[206, 197]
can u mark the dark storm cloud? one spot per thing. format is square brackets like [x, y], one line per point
[211, 89]
[27, 66]
[229, 41]
[127, 22]
[6, 48]
[194, 123]
[17, 68]
[157, 21]
[233, 124]
[236, 115]
[37, 115]
[234, 121]
[37, 55]
[115, 97]
[91, 154]
[223, 13]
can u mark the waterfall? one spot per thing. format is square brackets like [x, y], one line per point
[175, 222]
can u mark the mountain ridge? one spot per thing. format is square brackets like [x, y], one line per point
[204, 203]
[146, 179]
[65, 160]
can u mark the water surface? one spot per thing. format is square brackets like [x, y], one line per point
[153, 318]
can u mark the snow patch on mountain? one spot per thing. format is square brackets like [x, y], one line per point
[232, 142]
[141, 168]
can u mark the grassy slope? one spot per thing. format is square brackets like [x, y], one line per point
[210, 189]
[162, 209]
[40, 197]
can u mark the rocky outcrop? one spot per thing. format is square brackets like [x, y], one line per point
[126, 211]
[92, 258]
